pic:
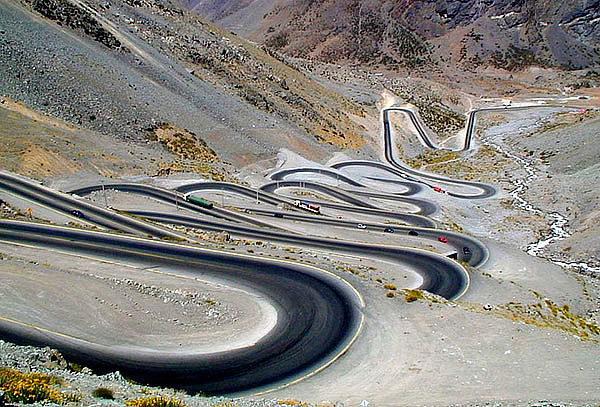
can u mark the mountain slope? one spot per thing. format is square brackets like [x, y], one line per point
[124, 67]
[408, 33]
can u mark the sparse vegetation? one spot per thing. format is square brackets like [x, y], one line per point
[155, 401]
[413, 295]
[292, 403]
[213, 171]
[545, 314]
[485, 161]
[183, 143]
[389, 286]
[433, 157]
[514, 59]
[30, 388]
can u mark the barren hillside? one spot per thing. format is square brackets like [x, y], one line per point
[121, 68]
[417, 33]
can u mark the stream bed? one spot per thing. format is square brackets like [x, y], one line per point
[558, 229]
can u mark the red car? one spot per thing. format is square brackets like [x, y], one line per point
[438, 189]
[443, 239]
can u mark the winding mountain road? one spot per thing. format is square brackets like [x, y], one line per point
[319, 314]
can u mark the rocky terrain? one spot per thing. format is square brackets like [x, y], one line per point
[147, 91]
[121, 68]
[419, 34]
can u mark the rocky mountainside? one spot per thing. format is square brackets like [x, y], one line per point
[124, 67]
[508, 34]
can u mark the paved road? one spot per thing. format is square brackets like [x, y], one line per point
[412, 188]
[319, 314]
[58, 201]
[457, 241]
[441, 276]
[273, 199]
[423, 207]
[357, 205]
[486, 190]
[472, 118]
[171, 198]
[399, 169]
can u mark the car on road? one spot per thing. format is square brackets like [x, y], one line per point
[78, 213]
[389, 230]
[466, 250]
[438, 189]
[413, 233]
[361, 226]
[443, 239]
[278, 215]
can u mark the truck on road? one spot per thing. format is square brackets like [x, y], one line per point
[308, 206]
[199, 201]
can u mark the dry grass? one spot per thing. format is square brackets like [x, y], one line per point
[184, 143]
[211, 171]
[413, 295]
[155, 401]
[430, 157]
[545, 314]
[292, 402]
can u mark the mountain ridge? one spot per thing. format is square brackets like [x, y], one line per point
[415, 33]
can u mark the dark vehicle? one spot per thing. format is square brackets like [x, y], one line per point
[466, 250]
[389, 230]
[413, 233]
[78, 213]
[278, 215]
[199, 201]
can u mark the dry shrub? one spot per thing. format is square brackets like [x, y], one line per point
[30, 388]
[155, 401]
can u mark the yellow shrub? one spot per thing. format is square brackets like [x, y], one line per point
[413, 295]
[31, 387]
[292, 403]
[155, 401]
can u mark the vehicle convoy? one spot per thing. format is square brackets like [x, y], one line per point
[199, 201]
[308, 206]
